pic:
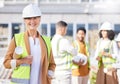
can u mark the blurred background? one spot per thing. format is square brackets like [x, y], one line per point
[77, 13]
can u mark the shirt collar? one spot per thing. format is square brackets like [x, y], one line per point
[58, 35]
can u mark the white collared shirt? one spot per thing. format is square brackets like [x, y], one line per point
[64, 45]
[103, 43]
[60, 45]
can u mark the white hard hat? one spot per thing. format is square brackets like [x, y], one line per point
[31, 10]
[81, 57]
[118, 37]
[106, 26]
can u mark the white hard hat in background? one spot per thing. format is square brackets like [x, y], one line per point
[81, 57]
[31, 10]
[118, 37]
[106, 26]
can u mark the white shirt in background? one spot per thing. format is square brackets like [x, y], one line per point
[64, 45]
[102, 44]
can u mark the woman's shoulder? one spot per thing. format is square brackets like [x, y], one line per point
[114, 42]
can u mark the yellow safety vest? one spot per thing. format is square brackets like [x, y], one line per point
[107, 61]
[74, 66]
[63, 59]
[21, 74]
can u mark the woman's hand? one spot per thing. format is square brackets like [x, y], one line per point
[99, 58]
[26, 60]
[106, 54]
[112, 69]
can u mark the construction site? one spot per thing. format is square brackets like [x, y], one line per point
[77, 13]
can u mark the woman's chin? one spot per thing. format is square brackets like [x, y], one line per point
[32, 29]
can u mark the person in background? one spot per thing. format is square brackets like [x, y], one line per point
[106, 54]
[80, 67]
[116, 66]
[29, 54]
[62, 52]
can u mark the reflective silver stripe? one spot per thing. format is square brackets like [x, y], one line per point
[107, 63]
[61, 64]
[60, 56]
[24, 65]
[20, 81]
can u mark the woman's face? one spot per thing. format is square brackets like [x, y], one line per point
[104, 33]
[32, 22]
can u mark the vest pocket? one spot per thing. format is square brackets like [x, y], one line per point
[21, 74]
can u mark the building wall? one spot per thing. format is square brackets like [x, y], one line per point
[89, 15]
[91, 22]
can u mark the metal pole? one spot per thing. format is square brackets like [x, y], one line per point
[37, 2]
[1, 3]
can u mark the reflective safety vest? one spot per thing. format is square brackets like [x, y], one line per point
[21, 74]
[76, 44]
[107, 61]
[63, 59]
